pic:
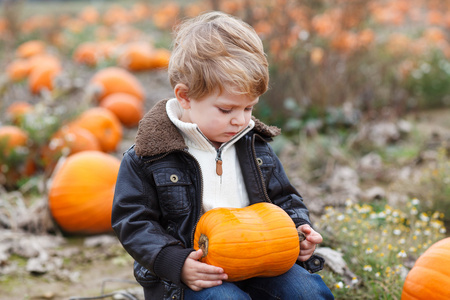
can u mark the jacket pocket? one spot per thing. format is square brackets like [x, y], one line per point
[266, 164]
[174, 190]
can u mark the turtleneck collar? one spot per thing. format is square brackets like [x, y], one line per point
[192, 134]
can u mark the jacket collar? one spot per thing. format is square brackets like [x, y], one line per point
[156, 134]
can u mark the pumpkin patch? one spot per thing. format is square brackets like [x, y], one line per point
[338, 69]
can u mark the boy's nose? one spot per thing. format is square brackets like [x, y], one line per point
[238, 119]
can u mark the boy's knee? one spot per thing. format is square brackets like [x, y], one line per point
[225, 291]
[306, 285]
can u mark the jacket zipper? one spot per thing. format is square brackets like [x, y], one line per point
[201, 198]
[219, 170]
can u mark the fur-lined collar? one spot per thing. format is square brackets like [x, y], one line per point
[156, 134]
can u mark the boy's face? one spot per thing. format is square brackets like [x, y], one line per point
[220, 117]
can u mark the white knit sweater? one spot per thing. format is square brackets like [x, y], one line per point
[227, 190]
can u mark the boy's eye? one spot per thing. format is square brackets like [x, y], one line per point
[249, 108]
[225, 111]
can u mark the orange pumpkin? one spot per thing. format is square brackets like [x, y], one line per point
[43, 70]
[78, 139]
[160, 58]
[18, 69]
[430, 276]
[30, 48]
[43, 78]
[17, 110]
[127, 108]
[43, 61]
[90, 15]
[70, 138]
[86, 53]
[117, 80]
[141, 57]
[136, 57]
[91, 53]
[104, 125]
[116, 14]
[12, 137]
[257, 240]
[81, 192]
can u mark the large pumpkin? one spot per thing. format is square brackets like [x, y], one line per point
[81, 192]
[430, 276]
[259, 240]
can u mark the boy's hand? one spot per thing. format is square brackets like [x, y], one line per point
[308, 246]
[197, 275]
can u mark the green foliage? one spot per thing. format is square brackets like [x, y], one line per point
[379, 243]
[429, 81]
[434, 184]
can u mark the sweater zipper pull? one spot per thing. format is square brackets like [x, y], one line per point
[219, 170]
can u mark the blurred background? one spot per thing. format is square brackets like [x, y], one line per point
[360, 89]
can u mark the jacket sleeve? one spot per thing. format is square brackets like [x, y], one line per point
[135, 220]
[265, 178]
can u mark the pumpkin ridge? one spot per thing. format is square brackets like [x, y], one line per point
[259, 256]
[421, 285]
[408, 294]
[430, 292]
[427, 270]
[231, 258]
[442, 267]
[214, 242]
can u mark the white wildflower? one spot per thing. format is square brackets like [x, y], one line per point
[367, 268]
[402, 253]
[424, 217]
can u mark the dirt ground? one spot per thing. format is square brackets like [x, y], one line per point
[86, 271]
[92, 276]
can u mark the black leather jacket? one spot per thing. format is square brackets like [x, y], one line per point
[158, 197]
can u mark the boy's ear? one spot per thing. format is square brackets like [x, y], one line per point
[181, 91]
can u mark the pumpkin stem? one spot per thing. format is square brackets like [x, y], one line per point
[203, 242]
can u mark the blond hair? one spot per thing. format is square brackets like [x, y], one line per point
[216, 52]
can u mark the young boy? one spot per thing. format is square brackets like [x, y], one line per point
[201, 150]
